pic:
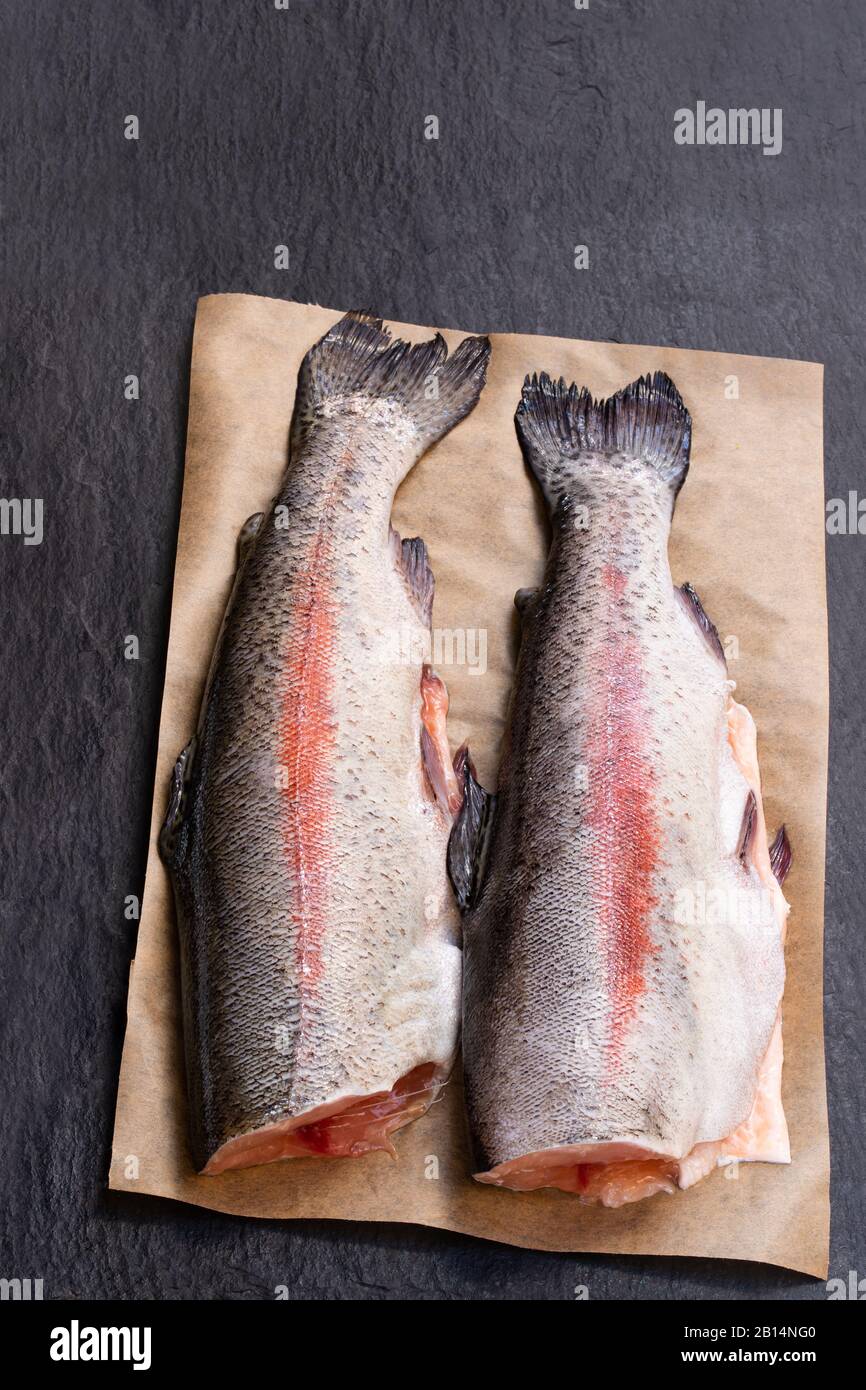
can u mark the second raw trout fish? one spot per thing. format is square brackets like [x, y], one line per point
[309, 816]
[623, 943]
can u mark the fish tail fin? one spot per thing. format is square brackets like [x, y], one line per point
[561, 428]
[358, 358]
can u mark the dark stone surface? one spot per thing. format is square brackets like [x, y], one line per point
[305, 127]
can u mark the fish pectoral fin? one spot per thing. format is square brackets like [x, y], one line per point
[247, 535]
[468, 841]
[413, 565]
[174, 816]
[781, 855]
[748, 829]
[435, 750]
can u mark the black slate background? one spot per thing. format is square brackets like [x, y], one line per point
[260, 126]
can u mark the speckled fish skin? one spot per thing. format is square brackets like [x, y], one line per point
[319, 941]
[594, 1018]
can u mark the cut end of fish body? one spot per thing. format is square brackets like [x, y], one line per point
[418, 386]
[563, 429]
[346, 1128]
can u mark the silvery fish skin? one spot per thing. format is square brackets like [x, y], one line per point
[305, 837]
[607, 1015]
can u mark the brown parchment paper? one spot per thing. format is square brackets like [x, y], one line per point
[748, 531]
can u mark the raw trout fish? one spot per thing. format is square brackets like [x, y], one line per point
[624, 928]
[308, 823]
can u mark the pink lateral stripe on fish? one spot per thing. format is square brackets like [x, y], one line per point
[306, 742]
[621, 788]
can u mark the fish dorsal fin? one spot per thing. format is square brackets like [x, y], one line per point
[467, 844]
[708, 630]
[413, 564]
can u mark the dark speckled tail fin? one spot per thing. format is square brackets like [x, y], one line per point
[560, 428]
[357, 358]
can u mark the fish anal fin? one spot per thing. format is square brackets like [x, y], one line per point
[247, 535]
[413, 564]
[467, 844]
[693, 607]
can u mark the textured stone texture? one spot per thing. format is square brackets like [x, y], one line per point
[305, 127]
